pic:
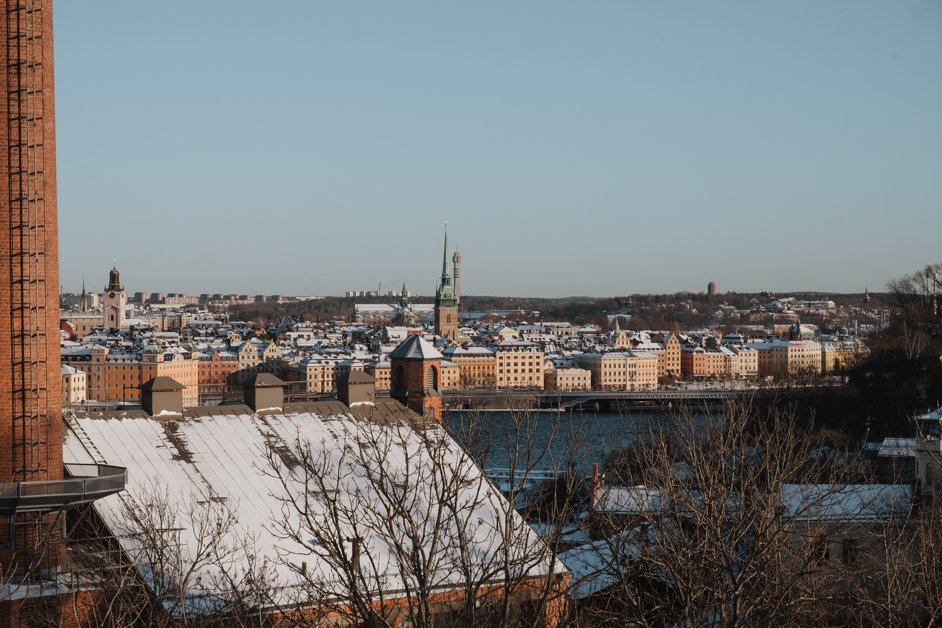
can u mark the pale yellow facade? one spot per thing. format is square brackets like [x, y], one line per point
[568, 379]
[744, 363]
[621, 370]
[789, 358]
[477, 365]
[450, 376]
[839, 356]
[381, 372]
[74, 386]
[518, 365]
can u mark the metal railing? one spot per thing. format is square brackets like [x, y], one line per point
[88, 483]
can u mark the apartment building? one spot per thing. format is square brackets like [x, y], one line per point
[518, 364]
[620, 370]
[478, 366]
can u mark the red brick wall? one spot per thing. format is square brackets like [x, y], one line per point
[42, 369]
[409, 381]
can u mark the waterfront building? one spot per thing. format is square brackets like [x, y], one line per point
[784, 358]
[477, 366]
[620, 370]
[569, 379]
[518, 364]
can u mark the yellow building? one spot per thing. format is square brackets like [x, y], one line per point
[477, 365]
[381, 371]
[450, 376]
[789, 358]
[620, 370]
[744, 363]
[840, 356]
[319, 375]
[74, 386]
[567, 379]
[518, 364]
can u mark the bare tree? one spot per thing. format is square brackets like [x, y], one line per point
[400, 525]
[731, 525]
[175, 565]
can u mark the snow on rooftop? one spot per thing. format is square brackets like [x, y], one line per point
[225, 456]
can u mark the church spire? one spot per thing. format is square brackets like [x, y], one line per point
[445, 253]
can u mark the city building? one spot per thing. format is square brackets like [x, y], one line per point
[74, 386]
[415, 379]
[668, 362]
[114, 302]
[568, 379]
[839, 356]
[478, 366]
[620, 370]
[788, 358]
[446, 301]
[518, 364]
[114, 375]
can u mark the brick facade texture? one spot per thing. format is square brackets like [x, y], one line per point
[30, 398]
[415, 383]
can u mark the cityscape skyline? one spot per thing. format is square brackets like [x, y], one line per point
[617, 149]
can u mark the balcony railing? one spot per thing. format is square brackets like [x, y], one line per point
[87, 482]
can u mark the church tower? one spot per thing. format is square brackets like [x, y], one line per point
[415, 377]
[446, 301]
[115, 301]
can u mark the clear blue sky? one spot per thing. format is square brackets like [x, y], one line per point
[600, 148]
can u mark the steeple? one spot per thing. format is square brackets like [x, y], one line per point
[446, 302]
[445, 255]
[84, 300]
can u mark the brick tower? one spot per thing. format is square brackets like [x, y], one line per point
[30, 401]
[446, 301]
[415, 376]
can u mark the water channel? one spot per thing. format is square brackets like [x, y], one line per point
[551, 438]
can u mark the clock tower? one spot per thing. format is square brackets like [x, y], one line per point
[114, 302]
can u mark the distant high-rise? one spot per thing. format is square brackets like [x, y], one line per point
[446, 301]
[711, 289]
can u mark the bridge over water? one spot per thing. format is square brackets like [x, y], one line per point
[584, 399]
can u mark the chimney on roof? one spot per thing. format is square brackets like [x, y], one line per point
[264, 391]
[162, 395]
[357, 387]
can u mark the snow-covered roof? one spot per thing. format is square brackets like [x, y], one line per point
[225, 455]
[416, 347]
[846, 502]
[897, 447]
[600, 564]
[626, 500]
